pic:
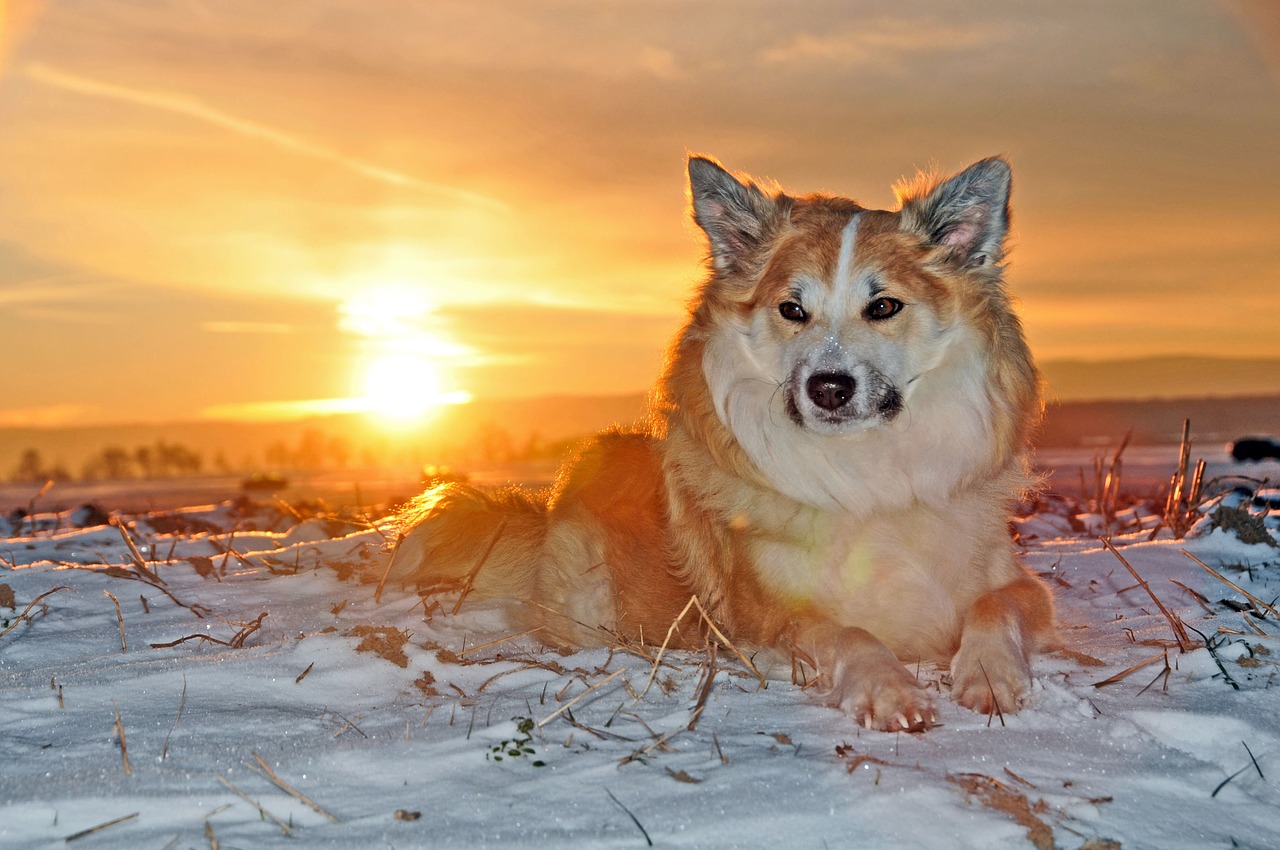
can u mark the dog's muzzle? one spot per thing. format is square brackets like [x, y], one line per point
[837, 398]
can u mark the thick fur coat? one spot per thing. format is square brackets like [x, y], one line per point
[829, 464]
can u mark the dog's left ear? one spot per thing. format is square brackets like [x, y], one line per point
[968, 213]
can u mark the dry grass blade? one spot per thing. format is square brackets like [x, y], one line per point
[237, 640]
[475, 571]
[124, 746]
[391, 559]
[138, 561]
[704, 693]
[1123, 673]
[553, 715]
[284, 827]
[1107, 487]
[228, 549]
[995, 703]
[91, 830]
[481, 646]
[675, 624]
[1182, 504]
[634, 819]
[1262, 606]
[119, 619]
[265, 770]
[1185, 643]
[27, 610]
[209, 834]
[182, 702]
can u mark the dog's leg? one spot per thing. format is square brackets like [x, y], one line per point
[992, 669]
[865, 679]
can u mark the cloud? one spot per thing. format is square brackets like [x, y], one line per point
[881, 42]
[192, 108]
[47, 416]
[247, 328]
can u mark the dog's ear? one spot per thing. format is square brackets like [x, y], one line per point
[736, 216]
[968, 213]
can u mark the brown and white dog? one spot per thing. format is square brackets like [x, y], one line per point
[829, 465]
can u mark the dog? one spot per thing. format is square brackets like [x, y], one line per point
[829, 462]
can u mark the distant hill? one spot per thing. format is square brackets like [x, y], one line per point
[1159, 421]
[489, 430]
[1176, 376]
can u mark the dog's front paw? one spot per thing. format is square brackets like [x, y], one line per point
[990, 673]
[879, 693]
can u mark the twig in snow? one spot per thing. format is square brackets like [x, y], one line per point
[1209, 645]
[481, 646]
[1135, 668]
[91, 830]
[692, 603]
[1165, 673]
[704, 693]
[182, 702]
[27, 610]
[634, 819]
[119, 619]
[1262, 606]
[995, 703]
[377, 593]
[138, 561]
[237, 640]
[475, 571]
[1175, 622]
[264, 770]
[1196, 595]
[124, 747]
[1223, 783]
[284, 827]
[553, 715]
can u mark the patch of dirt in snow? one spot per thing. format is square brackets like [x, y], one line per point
[265, 697]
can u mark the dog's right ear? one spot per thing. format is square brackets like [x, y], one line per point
[736, 216]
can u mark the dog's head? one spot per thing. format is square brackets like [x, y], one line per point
[825, 319]
[845, 308]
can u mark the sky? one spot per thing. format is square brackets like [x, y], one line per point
[246, 209]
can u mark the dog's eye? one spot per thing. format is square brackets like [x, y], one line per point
[883, 308]
[792, 312]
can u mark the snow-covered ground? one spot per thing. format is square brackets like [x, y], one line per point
[247, 657]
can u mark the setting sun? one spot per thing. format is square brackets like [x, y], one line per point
[402, 389]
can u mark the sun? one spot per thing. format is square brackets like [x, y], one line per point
[403, 389]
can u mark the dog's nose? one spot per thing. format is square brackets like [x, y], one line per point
[830, 390]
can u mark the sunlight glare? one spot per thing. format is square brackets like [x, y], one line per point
[404, 389]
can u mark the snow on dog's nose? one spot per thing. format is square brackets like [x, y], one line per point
[830, 390]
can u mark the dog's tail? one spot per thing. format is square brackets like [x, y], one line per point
[454, 534]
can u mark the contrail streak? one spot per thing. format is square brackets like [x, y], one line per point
[194, 109]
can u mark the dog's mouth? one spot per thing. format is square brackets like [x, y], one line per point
[837, 401]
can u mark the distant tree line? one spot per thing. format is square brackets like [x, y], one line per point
[160, 460]
[313, 450]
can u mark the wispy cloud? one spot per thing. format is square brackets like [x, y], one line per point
[247, 327]
[47, 416]
[196, 110]
[882, 41]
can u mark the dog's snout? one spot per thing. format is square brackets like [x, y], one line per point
[830, 390]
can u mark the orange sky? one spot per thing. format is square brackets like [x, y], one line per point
[206, 205]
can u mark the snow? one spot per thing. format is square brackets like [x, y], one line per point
[1138, 763]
